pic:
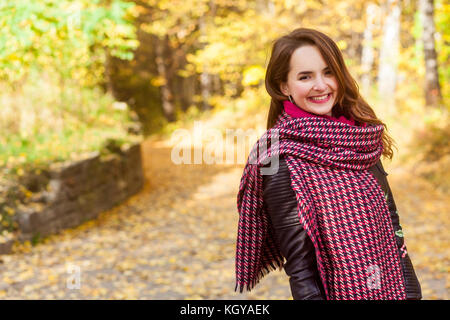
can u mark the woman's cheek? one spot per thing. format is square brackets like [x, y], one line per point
[302, 92]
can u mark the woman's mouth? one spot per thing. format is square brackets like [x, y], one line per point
[320, 99]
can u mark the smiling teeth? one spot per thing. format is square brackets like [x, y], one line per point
[319, 98]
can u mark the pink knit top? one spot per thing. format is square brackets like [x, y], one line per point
[296, 112]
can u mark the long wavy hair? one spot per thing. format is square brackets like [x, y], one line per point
[349, 101]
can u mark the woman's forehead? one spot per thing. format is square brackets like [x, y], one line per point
[307, 58]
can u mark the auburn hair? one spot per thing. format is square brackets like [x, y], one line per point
[349, 101]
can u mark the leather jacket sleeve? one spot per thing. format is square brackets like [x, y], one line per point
[294, 242]
[413, 289]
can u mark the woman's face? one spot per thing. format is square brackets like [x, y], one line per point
[310, 82]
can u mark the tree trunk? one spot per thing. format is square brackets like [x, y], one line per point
[387, 70]
[205, 76]
[433, 93]
[367, 51]
[166, 95]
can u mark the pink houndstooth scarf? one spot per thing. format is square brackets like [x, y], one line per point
[340, 205]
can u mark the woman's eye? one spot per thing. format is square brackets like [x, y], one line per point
[303, 78]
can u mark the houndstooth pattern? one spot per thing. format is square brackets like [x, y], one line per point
[340, 205]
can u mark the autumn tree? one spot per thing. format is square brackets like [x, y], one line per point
[432, 88]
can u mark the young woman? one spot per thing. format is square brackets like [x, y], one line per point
[324, 209]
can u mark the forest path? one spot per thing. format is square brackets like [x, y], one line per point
[175, 239]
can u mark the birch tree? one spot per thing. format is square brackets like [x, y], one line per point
[389, 52]
[432, 88]
[368, 50]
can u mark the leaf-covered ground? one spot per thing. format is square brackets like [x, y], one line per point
[176, 240]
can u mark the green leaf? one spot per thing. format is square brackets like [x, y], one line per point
[399, 233]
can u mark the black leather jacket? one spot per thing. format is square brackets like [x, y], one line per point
[296, 246]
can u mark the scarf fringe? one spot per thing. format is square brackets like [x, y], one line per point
[264, 271]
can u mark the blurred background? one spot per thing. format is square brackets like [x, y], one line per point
[81, 76]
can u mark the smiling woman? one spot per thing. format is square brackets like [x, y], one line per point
[327, 209]
[304, 66]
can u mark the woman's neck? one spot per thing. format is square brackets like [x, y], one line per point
[296, 112]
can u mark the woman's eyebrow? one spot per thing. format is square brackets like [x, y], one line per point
[308, 72]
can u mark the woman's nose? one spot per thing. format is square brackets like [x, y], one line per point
[319, 84]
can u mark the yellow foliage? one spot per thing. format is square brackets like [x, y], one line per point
[342, 44]
[158, 81]
[253, 75]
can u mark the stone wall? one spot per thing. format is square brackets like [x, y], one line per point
[77, 192]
